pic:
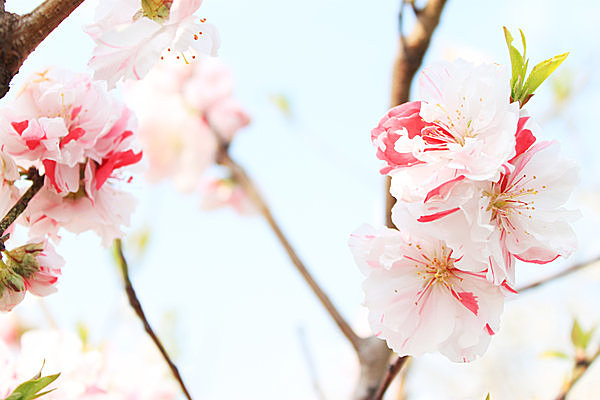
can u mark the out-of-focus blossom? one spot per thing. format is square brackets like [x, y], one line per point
[131, 35]
[34, 267]
[218, 193]
[86, 374]
[464, 125]
[180, 110]
[423, 295]
[82, 137]
[10, 329]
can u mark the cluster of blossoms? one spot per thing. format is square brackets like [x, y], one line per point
[85, 373]
[71, 128]
[186, 113]
[475, 192]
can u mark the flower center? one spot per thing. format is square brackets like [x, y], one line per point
[436, 269]
[514, 199]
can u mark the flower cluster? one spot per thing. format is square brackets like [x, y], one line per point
[185, 112]
[476, 191]
[70, 128]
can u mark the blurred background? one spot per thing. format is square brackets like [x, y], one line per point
[315, 78]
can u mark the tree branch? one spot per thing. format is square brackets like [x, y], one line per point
[137, 307]
[21, 34]
[391, 373]
[239, 175]
[560, 274]
[21, 204]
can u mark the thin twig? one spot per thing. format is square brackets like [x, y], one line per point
[391, 373]
[137, 307]
[241, 177]
[560, 274]
[21, 34]
[581, 367]
[16, 210]
[310, 363]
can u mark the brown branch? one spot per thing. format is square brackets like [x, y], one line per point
[374, 357]
[21, 34]
[560, 274]
[391, 373]
[137, 307]
[21, 204]
[581, 367]
[239, 175]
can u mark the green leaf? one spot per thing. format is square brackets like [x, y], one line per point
[524, 44]
[31, 389]
[555, 354]
[540, 72]
[576, 334]
[579, 337]
[517, 63]
[487, 397]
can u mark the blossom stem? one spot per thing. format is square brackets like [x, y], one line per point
[16, 210]
[21, 34]
[580, 368]
[137, 307]
[392, 371]
[560, 274]
[241, 177]
[310, 363]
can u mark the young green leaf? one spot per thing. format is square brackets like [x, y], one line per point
[577, 335]
[487, 397]
[30, 390]
[540, 72]
[517, 63]
[555, 354]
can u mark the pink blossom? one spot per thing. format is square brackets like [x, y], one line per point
[518, 216]
[65, 121]
[180, 109]
[130, 40]
[422, 295]
[464, 125]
